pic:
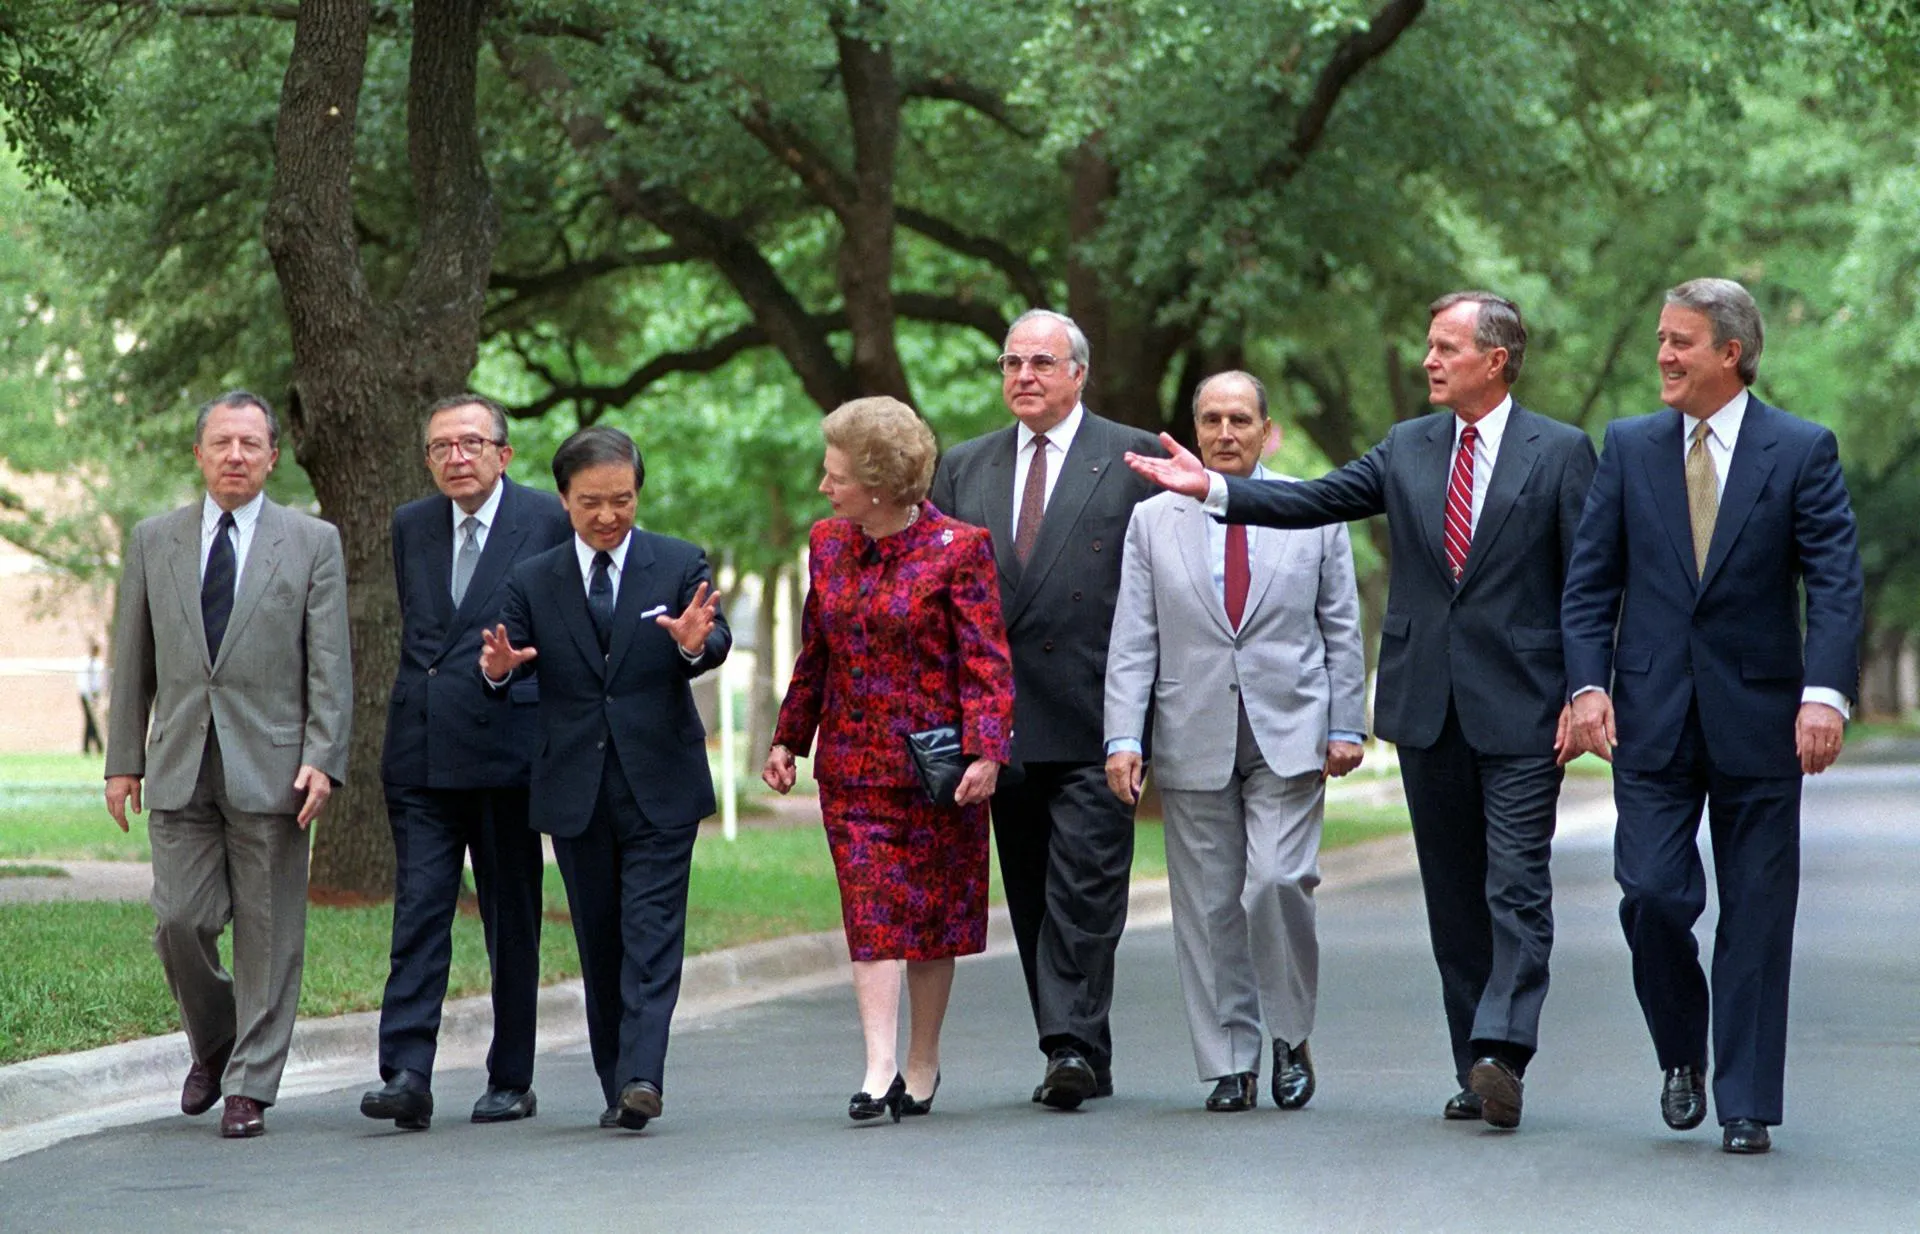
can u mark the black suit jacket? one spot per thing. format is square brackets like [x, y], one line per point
[445, 729]
[636, 696]
[1492, 644]
[1059, 606]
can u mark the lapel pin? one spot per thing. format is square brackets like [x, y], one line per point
[946, 537]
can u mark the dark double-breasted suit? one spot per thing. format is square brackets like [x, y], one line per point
[455, 769]
[620, 781]
[1065, 841]
[1707, 672]
[1471, 685]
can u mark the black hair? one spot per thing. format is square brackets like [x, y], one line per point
[590, 447]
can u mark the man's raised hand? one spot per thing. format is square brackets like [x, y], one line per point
[690, 628]
[1179, 471]
[498, 656]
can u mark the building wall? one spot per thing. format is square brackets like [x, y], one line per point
[45, 624]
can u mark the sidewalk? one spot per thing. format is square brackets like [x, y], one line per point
[47, 1100]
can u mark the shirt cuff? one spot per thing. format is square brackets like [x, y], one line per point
[691, 657]
[1341, 734]
[1216, 502]
[1122, 745]
[498, 685]
[1832, 698]
[1585, 690]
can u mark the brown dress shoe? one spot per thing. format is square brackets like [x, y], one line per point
[243, 1119]
[202, 1088]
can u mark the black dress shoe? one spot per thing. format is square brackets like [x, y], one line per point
[1462, 1106]
[863, 1106]
[1743, 1135]
[505, 1105]
[1498, 1086]
[1683, 1098]
[405, 1099]
[1292, 1075]
[909, 1106]
[1069, 1080]
[610, 1117]
[639, 1102]
[1234, 1093]
[1102, 1081]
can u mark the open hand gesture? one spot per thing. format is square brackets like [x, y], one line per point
[498, 656]
[690, 628]
[1179, 471]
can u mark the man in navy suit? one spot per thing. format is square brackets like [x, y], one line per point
[1685, 653]
[1482, 501]
[456, 763]
[622, 620]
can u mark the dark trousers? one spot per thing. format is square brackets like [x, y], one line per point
[627, 888]
[433, 831]
[1483, 831]
[1066, 851]
[1754, 823]
[90, 742]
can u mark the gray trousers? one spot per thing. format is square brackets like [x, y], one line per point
[1242, 863]
[213, 864]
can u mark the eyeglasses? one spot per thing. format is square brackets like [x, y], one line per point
[1043, 365]
[469, 447]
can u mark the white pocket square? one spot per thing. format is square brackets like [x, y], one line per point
[655, 611]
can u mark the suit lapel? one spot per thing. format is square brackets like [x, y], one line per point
[1431, 473]
[572, 598]
[437, 544]
[626, 605]
[1084, 467]
[1000, 458]
[503, 542]
[1667, 475]
[263, 563]
[1191, 534]
[1519, 451]
[184, 562]
[1263, 563]
[1746, 476]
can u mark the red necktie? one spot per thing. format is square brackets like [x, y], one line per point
[1459, 535]
[1033, 502]
[1237, 575]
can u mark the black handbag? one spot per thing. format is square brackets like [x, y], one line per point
[938, 761]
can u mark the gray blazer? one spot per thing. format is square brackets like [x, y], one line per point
[1059, 606]
[281, 693]
[1296, 661]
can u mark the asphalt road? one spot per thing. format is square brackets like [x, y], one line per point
[755, 1136]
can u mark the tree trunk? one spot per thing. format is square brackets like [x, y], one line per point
[363, 370]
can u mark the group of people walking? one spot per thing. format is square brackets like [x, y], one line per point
[1034, 590]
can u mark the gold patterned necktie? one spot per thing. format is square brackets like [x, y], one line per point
[1703, 496]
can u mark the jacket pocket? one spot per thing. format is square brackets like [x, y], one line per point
[524, 692]
[284, 734]
[1395, 625]
[1633, 660]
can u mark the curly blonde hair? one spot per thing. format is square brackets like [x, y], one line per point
[890, 447]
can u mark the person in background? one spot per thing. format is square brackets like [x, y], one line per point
[91, 681]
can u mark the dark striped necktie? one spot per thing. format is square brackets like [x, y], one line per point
[216, 585]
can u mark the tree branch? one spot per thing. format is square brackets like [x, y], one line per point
[979, 98]
[1354, 53]
[574, 274]
[1025, 279]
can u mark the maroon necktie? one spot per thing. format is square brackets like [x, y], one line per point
[1033, 502]
[1237, 575]
[1460, 503]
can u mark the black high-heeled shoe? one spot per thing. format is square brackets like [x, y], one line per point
[864, 1106]
[908, 1106]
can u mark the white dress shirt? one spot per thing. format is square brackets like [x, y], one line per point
[1059, 438]
[585, 552]
[1486, 451]
[245, 520]
[488, 511]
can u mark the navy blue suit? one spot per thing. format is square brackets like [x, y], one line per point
[455, 768]
[1706, 674]
[620, 781]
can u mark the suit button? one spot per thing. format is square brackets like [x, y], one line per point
[1047, 646]
[1096, 546]
[857, 672]
[1233, 687]
[859, 714]
[433, 672]
[599, 745]
[609, 698]
[1689, 670]
[1076, 595]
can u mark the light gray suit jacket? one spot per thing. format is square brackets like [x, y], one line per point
[1296, 660]
[281, 693]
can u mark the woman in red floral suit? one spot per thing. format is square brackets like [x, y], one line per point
[901, 632]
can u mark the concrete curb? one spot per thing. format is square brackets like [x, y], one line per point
[37, 1097]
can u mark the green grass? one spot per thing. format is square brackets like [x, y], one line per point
[51, 808]
[32, 871]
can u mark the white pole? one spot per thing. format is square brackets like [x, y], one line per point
[729, 792]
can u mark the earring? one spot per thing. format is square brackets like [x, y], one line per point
[876, 501]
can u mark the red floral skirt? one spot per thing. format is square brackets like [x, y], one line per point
[913, 875]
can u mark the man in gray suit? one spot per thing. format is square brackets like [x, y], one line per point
[1246, 642]
[234, 695]
[1056, 494]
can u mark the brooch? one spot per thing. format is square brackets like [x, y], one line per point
[946, 537]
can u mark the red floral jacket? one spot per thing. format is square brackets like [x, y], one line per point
[899, 634]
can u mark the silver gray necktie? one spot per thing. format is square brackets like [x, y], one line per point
[467, 558]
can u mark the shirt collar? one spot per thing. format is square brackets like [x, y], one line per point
[243, 519]
[488, 511]
[1724, 424]
[1060, 435]
[1492, 426]
[585, 553]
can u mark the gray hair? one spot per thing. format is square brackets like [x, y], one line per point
[1734, 316]
[237, 398]
[1498, 324]
[1259, 388]
[1081, 354]
[455, 401]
